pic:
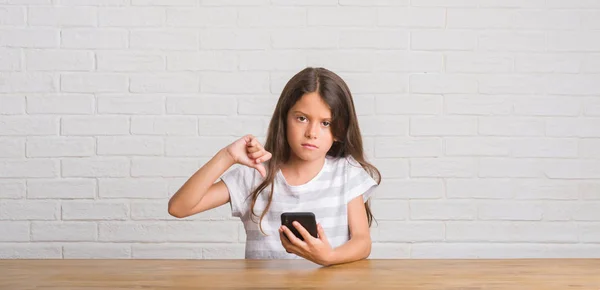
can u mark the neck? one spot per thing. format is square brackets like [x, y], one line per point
[299, 171]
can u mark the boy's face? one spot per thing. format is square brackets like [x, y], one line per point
[308, 128]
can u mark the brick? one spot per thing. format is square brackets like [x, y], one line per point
[217, 17]
[341, 16]
[588, 233]
[71, 104]
[589, 148]
[94, 210]
[501, 251]
[443, 167]
[30, 251]
[93, 2]
[511, 232]
[442, 210]
[498, 167]
[392, 168]
[589, 190]
[28, 126]
[169, 39]
[246, 82]
[94, 126]
[512, 41]
[411, 17]
[12, 189]
[547, 63]
[401, 61]
[572, 4]
[407, 147]
[585, 84]
[94, 38]
[511, 126]
[442, 84]
[415, 188]
[238, 39]
[545, 189]
[62, 16]
[166, 251]
[342, 61]
[510, 210]
[164, 125]
[275, 17]
[390, 209]
[130, 61]
[96, 167]
[480, 18]
[157, 210]
[572, 169]
[590, 63]
[63, 231]
[371, 3]
[223, 251]
[64, 188]
[94, 83]
[571, 127]
[12, 105]
[12, 147]
[444, 3]
[196, 147]
[443, 126]
[203, 60]
[443, 40]
[383, 125]
[353, 38]
[165, 83]
[204, 105]
[19, 82]
[131, 17]
[232, 126]
[378, 83]
[10, 58]
[32, 168]
[132, 188]
[537, 147]
[477, 146]
[12, 16]
[14, 232]
[131, 104]
[163, 3]
[588, 41]
[389, 251]
[60, 146]
[478, 63]
[512, 3]
[547, 106]
[163, 167]
[290, 38]
[130, 145]
[29, 210]
[461, 188]
[390, 231]
[30, 37]
[96, 251]
[512, 84]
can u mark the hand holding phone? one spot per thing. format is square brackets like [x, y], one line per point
[306, 219]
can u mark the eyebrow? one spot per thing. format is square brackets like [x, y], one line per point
[302, 113]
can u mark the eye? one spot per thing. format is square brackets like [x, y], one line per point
[326, 123]
[301, 118]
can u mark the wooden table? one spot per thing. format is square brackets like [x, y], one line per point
[299, 274]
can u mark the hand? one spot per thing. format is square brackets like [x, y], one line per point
[314, 249]
[248, 151]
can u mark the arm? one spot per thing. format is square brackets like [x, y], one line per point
[359, 245]
[319, 251]
[200, 193]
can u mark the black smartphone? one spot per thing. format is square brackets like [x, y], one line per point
[306, 219]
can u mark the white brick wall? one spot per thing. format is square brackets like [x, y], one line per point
[482, 115]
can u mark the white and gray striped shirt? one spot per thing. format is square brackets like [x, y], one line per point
[326, 195]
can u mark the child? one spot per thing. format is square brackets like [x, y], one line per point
[312, 161]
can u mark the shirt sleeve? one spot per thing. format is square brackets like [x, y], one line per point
[358, 181]
[239, 181]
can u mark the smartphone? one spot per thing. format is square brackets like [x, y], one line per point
[306, 219]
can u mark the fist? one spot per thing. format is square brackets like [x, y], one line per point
[248, 151]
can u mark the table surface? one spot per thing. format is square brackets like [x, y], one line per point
[300, 274]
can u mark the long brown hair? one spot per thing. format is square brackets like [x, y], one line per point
[334, 91]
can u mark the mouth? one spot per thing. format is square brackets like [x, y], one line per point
[309, 146]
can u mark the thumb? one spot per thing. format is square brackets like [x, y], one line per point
[261, 169]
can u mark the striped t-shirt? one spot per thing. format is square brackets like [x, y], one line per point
[326, 195]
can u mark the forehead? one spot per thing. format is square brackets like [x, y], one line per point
[313, 105]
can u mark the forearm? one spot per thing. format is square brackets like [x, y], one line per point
[198, 184]
[357, 248]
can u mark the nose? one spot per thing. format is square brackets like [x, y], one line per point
[312, 131]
